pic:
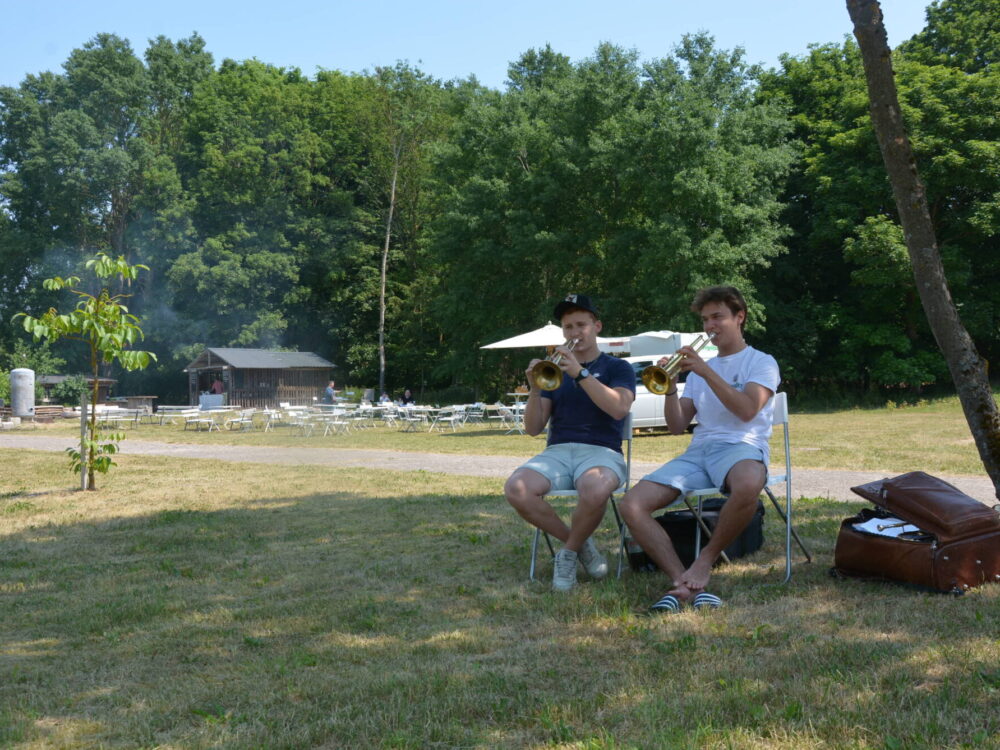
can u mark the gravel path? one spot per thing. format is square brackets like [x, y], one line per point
[833, 484]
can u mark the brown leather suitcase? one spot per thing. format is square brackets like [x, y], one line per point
[955, 546]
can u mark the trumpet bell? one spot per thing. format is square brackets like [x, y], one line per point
[656, 380]
[547, 375]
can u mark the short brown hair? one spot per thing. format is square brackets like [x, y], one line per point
[726, 295]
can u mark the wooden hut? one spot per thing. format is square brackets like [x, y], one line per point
[259, 378]
[104, 385]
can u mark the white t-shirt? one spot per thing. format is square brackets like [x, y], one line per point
[715, 422]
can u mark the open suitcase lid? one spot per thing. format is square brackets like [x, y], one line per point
[931, 504]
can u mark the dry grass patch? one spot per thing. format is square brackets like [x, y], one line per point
[212, 605]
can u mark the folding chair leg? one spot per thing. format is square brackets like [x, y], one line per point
[789, 533]
[702, 526]
[622, 530]
[534, 554]
[534, 551]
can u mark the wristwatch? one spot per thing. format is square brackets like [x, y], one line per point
[584, 373]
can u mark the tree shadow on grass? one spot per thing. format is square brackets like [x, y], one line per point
[348, 620]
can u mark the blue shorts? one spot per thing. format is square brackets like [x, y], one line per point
[706, 466]
[565, 463]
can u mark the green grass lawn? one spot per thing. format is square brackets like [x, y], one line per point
[933, 436]
[217, 605]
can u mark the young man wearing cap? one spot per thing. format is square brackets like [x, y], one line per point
[585, 415]
[731, 394]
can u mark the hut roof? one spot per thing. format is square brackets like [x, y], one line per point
[258, 359]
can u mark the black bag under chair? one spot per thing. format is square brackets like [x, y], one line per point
[682, 528]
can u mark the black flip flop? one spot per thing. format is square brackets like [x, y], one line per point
[667, 604]
[706, 600]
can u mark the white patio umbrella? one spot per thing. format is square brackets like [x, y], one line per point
[552, 335]
[547, 335]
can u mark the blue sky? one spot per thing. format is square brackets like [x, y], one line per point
[446, 38]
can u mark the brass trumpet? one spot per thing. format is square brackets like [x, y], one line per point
[546, 374]
[657, 379]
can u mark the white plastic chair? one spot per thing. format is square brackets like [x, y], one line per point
[242, 420]
[693, 499]
[455, 418]
[389, 415]
[412, 418]
[621, 490]
[503, 415]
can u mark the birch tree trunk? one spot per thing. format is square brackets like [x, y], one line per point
[385, 266]
[967, 368]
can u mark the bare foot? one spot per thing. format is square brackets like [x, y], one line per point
[696, 577]
[682, 592]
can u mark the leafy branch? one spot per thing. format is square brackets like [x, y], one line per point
[104, 323]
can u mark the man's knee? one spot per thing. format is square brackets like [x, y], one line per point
[516, 492]
[644, 499]
[746, 480]
[523, 490]
[594, 488]
[631, 507]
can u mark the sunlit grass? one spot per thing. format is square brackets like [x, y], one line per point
[209, 604]
[932, 436]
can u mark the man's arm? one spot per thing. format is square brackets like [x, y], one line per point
[537, 411]
[677, 411]
[613, 401]
[744, 404]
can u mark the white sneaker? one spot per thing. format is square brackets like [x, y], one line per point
[593, 561]
[564, 571]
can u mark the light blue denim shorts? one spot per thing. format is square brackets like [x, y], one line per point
[705, 466]
[565, 463]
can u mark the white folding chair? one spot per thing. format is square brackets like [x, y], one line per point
[412, 419]
[243, 420]
[455, 418]
[503, 415]
[621, 490]
[693, 499]
[389, 415]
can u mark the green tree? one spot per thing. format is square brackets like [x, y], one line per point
[962, 34]
[407, 118]
[274, 180]
[89, 162]
[103, 323]
[840, 204]
[968, 371]
[636, 183]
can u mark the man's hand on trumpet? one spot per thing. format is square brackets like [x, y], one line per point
[529, 374]
[670, 386]
[567, 362]
[691, 361]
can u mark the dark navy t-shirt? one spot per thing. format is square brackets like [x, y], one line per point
[576, 419]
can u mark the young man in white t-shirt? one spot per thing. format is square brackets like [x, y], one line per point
[732, 397]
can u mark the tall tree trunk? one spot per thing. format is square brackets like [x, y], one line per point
[964, 363]
[385, 266]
